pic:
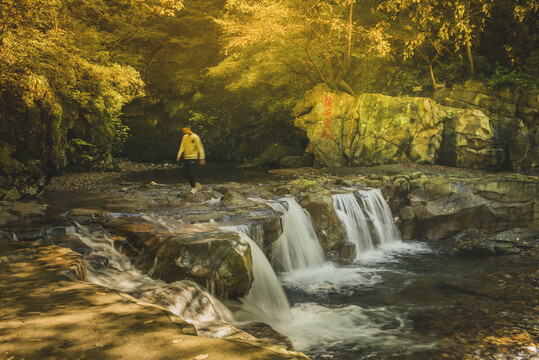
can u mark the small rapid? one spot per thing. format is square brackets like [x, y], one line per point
[298, 246]
[266, 300]
[320, 306]
[108, 267]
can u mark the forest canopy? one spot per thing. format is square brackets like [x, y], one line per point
[126, 75]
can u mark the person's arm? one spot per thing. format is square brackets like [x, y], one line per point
[201, 154]
[181, 150]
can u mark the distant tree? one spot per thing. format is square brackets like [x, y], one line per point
[420, 26]
[469, 21]
[431, 27]
[291, 43]
[525, 34]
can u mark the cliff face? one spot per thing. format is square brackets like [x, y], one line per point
[375, 129]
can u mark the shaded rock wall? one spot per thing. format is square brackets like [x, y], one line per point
[513, 114]
[440, 206]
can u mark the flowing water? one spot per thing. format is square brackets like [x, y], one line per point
[266, 300]
[393, 302]
[298, 246]
[108, 267]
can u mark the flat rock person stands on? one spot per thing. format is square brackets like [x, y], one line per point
[193, 152]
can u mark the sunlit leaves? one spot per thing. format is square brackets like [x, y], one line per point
[304, 41]
[526, 8]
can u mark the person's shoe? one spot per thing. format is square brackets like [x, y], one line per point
[193, 190]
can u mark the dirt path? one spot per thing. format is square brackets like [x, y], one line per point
[47, 313]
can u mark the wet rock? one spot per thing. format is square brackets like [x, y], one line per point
[233, 199]
[24, 210]
[476, 243]
[86, 216]
[267, 335]
[9, 236]
[219, 261]
[446, 205]
[65, 237]
[344, 254]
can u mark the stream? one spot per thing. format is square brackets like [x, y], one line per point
[398, 300]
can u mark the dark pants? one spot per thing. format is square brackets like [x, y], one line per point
[190, 166]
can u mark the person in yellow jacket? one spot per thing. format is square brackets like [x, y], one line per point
[193, 152]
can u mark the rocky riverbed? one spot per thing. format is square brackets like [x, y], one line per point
[461, 214]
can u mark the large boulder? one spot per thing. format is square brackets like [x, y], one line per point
[469, 127]
[219, 261]
[514, 241]
[369, 130]
[514, 117]
[444, 205]
[469, 141]
[397, 130]
[330, 119]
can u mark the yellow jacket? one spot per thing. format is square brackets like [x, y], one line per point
[191, 147]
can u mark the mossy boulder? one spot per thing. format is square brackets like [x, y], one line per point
[219, 261]
[441, 206]
[460, 127]
[19, 179]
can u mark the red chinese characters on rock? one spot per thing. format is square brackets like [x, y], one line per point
[327, 117]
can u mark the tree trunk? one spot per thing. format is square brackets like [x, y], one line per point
[469, 42]
[433, 79]
[470, 60]
[345, 66]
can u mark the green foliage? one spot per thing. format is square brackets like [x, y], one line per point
[126, 75]
[289, 43]
[519, 78]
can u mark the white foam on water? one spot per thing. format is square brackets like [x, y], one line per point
[266, 300]
[390, 252]
[108, 267]
[329, 278]
[298, 246]
[322, 327]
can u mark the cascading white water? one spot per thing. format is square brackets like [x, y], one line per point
[353, 221]
[297, 247]
[108, 267]
[266, 301]
[328, 323]
[379, 213]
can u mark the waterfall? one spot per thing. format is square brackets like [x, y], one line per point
[108, 267]
[368, 225]
[378, 211]
[297, 247]
[354, 222]
[266, 300]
